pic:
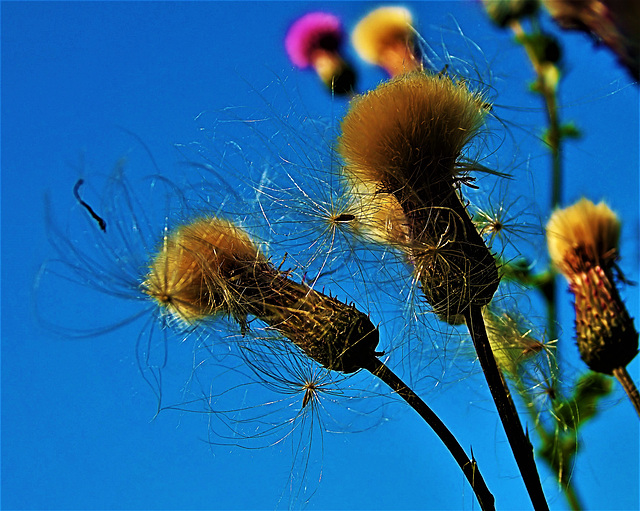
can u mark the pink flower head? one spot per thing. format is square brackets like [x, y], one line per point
[312, 32]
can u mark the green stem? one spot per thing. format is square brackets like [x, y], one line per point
[520, 444]
[469, 467]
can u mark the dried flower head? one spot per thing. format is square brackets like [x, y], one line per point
[583, 244]
[220, 271]
[314, 40]
[385, 37]
[405, 139]
[188, 276]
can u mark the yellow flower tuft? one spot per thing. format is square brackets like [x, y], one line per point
[188, 275]
[583, 244]
[583, 235]
[385, 37]
[416, 121]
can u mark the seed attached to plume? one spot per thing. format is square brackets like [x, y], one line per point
[211, 267]
[405, 139]
[583, 244]
[385, 37]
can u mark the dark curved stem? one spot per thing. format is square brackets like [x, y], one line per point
[622, 375]
[520, 445]
[469, 467]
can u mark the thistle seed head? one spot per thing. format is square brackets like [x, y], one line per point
[210, 267]
[191, 274]
[409, 131]
[403, 140]
[582, 236]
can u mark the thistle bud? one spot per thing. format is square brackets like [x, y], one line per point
[404, 139]
[583, 244]
[210, 267]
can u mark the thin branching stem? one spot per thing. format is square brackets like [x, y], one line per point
[520, 444]
[622, 375]
[547, 88]
[468, 467]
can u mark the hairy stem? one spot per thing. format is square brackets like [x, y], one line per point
[468, 467]
[622, 375]
[520, 444]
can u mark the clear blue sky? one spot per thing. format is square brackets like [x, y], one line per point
[78, 427]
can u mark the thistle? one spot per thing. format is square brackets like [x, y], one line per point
[315, 40]
[405, 140]
[210, 267]
[583, 244]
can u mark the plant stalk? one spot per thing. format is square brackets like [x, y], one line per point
[468, 467]
[622, 375]
[520, 444]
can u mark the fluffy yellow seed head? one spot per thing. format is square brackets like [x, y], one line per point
[414, 123]
[189, 275]
[210, 267]
[385, 37]
[582, 236]
[401, 144]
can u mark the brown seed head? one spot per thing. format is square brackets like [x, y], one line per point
[409, 130]
[210, 267]
[401, 144]
[583, 245]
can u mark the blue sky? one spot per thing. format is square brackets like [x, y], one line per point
[78, 426]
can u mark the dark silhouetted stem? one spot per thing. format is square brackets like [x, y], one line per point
[469, 467]
[520, 445]
[622, 375]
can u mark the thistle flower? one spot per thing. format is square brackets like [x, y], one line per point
[405, 139]
[227, 274]
[385, 37]
[583, 244]
[314, 40]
